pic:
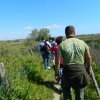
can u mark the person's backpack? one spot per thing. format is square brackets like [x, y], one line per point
[47, 48]
[42, 48]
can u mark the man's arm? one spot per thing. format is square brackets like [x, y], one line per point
[88, 61]
[57, 62]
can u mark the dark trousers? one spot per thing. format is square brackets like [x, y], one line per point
[66, 89]
[74, 76]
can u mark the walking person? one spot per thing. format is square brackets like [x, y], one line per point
[40, 46]
[53, 45]
[46, 55]
[55, 50]
[75, 75]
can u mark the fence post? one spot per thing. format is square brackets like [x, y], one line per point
[95, 83]
[3, 78]
[31, 51]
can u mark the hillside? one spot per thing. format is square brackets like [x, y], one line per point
[90, 37]
[26, 75]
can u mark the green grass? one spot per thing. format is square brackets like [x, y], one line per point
[26, 75]
[27, 78]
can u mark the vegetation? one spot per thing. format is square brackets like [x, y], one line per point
[27, 78]
[39, 34]
[26, 75]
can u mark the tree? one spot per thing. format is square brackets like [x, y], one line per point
[33, 34]
[39, 34]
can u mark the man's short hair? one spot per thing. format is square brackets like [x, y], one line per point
[69, 30]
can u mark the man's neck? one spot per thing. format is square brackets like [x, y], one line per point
[71, 37]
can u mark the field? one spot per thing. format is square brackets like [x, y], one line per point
[27, 79]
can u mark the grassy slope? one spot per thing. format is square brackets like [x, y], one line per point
[89, 37]
[27, 78]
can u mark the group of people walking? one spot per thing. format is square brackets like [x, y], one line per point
[45, 55]
[48, 49]
[72, 55]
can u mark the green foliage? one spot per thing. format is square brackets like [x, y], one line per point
[89, 37]
[43, 34]
[27, 78]
[39, 34]
[36, 35]
[90, 93]
[26, 75]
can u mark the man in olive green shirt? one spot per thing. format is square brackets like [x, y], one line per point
[75, 53]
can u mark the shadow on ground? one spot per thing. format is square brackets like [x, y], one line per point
[34, 77]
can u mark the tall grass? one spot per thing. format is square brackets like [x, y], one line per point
[26, 75]
[27, 78]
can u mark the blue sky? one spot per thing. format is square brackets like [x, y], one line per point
[19, 17]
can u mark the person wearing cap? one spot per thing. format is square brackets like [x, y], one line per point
[75, 53]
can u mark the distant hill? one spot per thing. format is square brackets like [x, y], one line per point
[90, 37]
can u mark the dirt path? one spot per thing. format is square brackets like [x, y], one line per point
[57, 93]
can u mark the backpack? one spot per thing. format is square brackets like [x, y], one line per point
[42, 48]
[47, 48]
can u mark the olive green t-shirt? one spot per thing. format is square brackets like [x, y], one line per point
[72, 50]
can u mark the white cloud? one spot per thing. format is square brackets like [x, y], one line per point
[53, 26]
[28, 28]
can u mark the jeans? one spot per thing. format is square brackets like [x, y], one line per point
[53, 58]
[46, 60]
[60, 75]
[66, 89]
